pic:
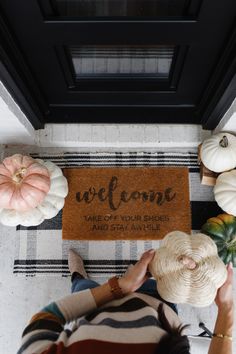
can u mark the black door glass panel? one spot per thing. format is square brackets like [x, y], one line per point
[120, 8]
[122, 61]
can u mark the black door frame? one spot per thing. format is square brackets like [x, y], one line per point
[216, 98]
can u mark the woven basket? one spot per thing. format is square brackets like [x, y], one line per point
[187, 269]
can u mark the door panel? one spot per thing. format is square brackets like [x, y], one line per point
[151, 61]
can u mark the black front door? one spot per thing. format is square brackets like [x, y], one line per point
[120, 61]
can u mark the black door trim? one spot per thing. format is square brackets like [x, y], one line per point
[17, 78]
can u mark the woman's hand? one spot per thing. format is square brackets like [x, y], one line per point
[224, 297]
[137, 274]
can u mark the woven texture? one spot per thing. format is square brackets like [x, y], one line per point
[187, 269]
[135, 204]
[41, 250]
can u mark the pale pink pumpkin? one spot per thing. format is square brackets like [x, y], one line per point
[24, 183]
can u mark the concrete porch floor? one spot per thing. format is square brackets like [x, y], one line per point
[20, 297]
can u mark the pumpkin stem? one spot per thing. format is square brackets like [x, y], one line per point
[224, 142]
[18, 176]
[188, 262]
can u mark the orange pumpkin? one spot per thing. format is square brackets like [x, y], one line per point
[24, 183]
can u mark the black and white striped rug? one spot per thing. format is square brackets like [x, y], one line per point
[41, 251]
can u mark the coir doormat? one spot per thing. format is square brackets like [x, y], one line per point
[126, 203]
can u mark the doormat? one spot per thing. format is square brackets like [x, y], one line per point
[41, 251]
[126, 203]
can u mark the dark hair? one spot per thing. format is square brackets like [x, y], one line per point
[174, 342]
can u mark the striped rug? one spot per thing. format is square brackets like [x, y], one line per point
[40, 251]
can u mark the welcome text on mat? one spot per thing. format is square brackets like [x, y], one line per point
[103, 194]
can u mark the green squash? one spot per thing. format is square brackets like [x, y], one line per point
[222, 230]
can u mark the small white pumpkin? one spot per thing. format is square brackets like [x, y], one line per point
[218, 153]
[187, 269]
[225, 192]
[48, 208]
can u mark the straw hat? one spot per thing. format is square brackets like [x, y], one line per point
[187, 269]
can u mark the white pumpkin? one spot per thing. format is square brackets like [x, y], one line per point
[218, 153]
[188, 269]
[48, 208]
[225, 192]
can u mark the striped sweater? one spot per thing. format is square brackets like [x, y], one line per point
[128, 325]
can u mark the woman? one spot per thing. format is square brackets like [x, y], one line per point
[124, 315]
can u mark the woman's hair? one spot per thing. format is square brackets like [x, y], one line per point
[174, 342]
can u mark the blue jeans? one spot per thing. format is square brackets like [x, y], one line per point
[148, 288]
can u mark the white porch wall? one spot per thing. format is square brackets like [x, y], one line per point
[228, 122]
[14, 126]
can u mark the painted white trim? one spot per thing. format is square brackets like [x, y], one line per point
[228, 122]
[14, 126]
[123, 136]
